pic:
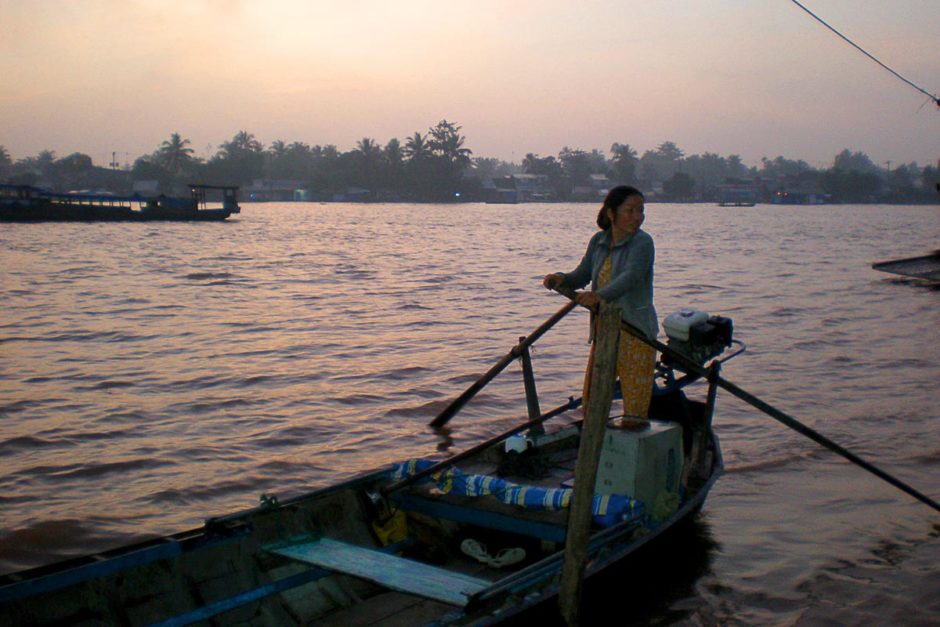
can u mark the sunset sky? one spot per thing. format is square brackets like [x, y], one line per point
[751, 77]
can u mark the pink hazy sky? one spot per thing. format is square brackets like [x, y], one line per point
[726, 76]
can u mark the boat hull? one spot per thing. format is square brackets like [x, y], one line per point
[22, 203]
[51, 212]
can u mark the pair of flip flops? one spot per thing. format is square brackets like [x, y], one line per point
[505, 557]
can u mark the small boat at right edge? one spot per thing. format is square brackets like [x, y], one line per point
[924, 267]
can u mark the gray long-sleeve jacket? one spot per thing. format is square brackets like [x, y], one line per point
[631, 283]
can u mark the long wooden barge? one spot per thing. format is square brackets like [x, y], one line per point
[24, 203]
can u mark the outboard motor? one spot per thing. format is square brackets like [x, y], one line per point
[697, 335]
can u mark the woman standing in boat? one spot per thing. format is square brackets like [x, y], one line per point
[619, 265]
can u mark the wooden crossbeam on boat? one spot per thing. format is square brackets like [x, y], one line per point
[391, 571]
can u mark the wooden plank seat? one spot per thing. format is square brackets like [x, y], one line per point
[391, 571]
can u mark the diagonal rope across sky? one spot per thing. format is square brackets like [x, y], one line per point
[932, 97]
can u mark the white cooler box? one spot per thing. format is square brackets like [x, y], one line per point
[641, 464]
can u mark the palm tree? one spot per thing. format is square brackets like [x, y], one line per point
[240, 160]
[623, 153]
[299, 149]
[369, 149]
[275, 158]
[441, 172]
[670, 152]
[243, 142]
[6, 162]
[175, 154]
[416, 147]
[533, 164]
[393, 166]
[530, 164]
[624, 161]
[447, 142]
[277, 149]
[454, 151]
[736, 165]
[394, 154]
[576, 165]
[45, 159]
[370, 158]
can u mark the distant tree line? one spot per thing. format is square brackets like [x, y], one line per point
[437, 166]
[428, 166]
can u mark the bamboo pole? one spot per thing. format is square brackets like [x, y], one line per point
[603, 375]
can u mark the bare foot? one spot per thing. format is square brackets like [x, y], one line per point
[631, 423]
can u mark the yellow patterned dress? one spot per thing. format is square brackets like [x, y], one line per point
[636, 364]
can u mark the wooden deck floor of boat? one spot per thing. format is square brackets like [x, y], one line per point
[389, 609]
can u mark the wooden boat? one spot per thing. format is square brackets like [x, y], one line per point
[923, 267]
[475, 539]
[23, 203]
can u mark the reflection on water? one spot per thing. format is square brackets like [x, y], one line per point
[152, 376]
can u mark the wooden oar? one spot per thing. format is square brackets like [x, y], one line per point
[600, 395]
[457, 404]
[693, 367]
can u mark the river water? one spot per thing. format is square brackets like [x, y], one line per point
[152, 375]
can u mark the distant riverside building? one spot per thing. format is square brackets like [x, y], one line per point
[150, 187]
[517, 188]
[596, 189]
[353, 194]
[796, 196]
[276, 190]
[801, 189]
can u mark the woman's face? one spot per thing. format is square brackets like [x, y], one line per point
[629, 215]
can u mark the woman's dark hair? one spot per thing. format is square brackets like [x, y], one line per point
[615, 198]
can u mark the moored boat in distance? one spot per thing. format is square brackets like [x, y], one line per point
[478, 538]
[24, 203]
[737, 195]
